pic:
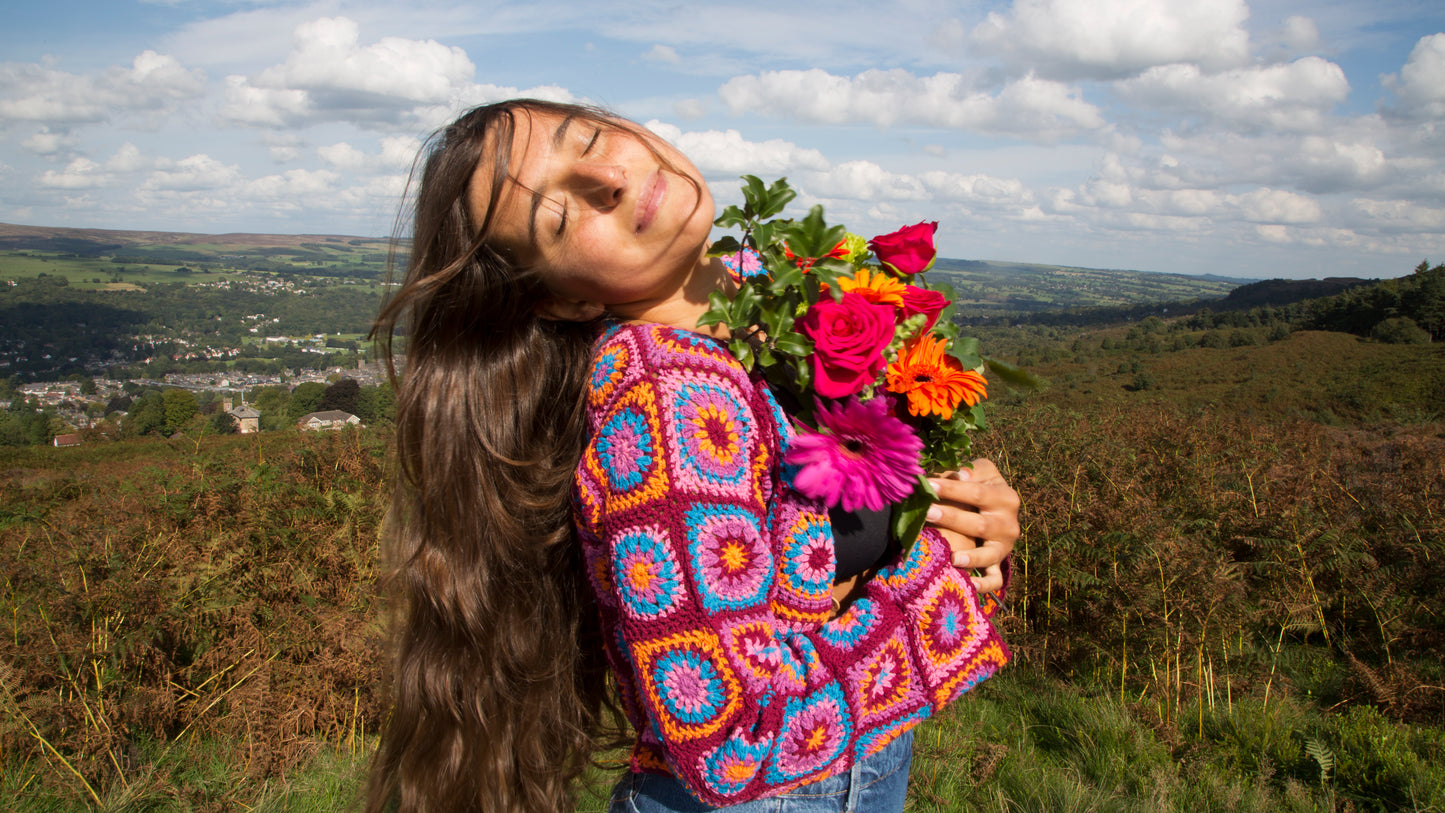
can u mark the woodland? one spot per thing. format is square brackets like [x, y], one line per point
[1226, 595]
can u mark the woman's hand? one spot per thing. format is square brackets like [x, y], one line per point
[978, 513]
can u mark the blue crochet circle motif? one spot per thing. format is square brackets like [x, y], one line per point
[626, 449]
[689, 686]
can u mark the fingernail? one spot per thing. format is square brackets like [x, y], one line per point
[934, 513]
[960, 560]
[965, 474]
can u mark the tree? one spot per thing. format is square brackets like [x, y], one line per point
[1400, 330]
[147, 414]
[375, 404]
[305, 399]
[180, 407]
[343, 395]
[224, 423]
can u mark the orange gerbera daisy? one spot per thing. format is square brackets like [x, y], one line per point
[878, 288]
[933, 381]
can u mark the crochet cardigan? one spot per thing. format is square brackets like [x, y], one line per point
[713, 578]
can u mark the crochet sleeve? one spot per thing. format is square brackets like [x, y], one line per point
[713, 582]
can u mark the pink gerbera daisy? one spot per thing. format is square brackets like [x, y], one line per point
[860, 457]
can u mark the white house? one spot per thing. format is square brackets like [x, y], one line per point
[330, 419]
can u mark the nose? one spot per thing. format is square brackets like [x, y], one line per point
[599, 184]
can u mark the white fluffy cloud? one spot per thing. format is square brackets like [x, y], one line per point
[1289, 97]
[1301, 33]
[154, 83]
[849, 186]
[331, 76]
[1031, 108]
[81, 173]
[198, 172]
[396, 152]
[1276, 206]
[1114, 38]
[1420, 85]
[726, 152]
[45, 142]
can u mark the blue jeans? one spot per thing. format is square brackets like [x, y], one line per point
[878, 784]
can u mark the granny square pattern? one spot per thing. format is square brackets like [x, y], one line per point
[713, 576]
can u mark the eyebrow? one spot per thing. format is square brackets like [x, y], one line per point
[558, 138]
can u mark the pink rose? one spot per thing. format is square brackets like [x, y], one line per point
[922, 300]
[909, 250]
[848, 337]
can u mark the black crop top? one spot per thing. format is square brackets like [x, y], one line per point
[860, 539]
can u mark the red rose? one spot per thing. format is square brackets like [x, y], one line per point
[908, 250]
[922, 300]
[848, 338]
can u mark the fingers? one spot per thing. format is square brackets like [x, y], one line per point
[990, 582]
[987, 554]
[962, 546]
[988, 512]
[977, 513]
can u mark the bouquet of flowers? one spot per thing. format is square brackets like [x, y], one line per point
[885, 389]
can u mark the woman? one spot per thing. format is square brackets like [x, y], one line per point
[557, 272]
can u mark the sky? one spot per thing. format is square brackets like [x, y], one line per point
[1277, 138]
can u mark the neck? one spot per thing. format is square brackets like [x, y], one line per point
[683, 309]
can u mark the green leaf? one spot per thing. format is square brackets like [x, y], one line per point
[743, 352]
[744, 307]
[778, 197]
[787, 277]
[966, 346]
[1014, 376]
[718, 306]
[763, 234]
[965, 350]
[811, 236]
[731, 216]
[794, 344]
[725, 245]
[910, 514]
[755, 194]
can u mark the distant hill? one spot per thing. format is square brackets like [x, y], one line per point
[97, 242]
[992, 288]
[1276, 292]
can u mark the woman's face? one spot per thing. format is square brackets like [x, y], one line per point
[609, 214]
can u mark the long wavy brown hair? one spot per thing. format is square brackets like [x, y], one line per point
[499, 686]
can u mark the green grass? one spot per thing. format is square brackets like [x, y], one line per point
[194, 776]
[1023, 742]
[1030, 743]
[82, 272]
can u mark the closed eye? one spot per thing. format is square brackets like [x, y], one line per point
[591, 143]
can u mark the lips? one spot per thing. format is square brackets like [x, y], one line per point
[649, 201]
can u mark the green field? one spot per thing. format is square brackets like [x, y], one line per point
[990, 287]
[144, 258]
[83, 256]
